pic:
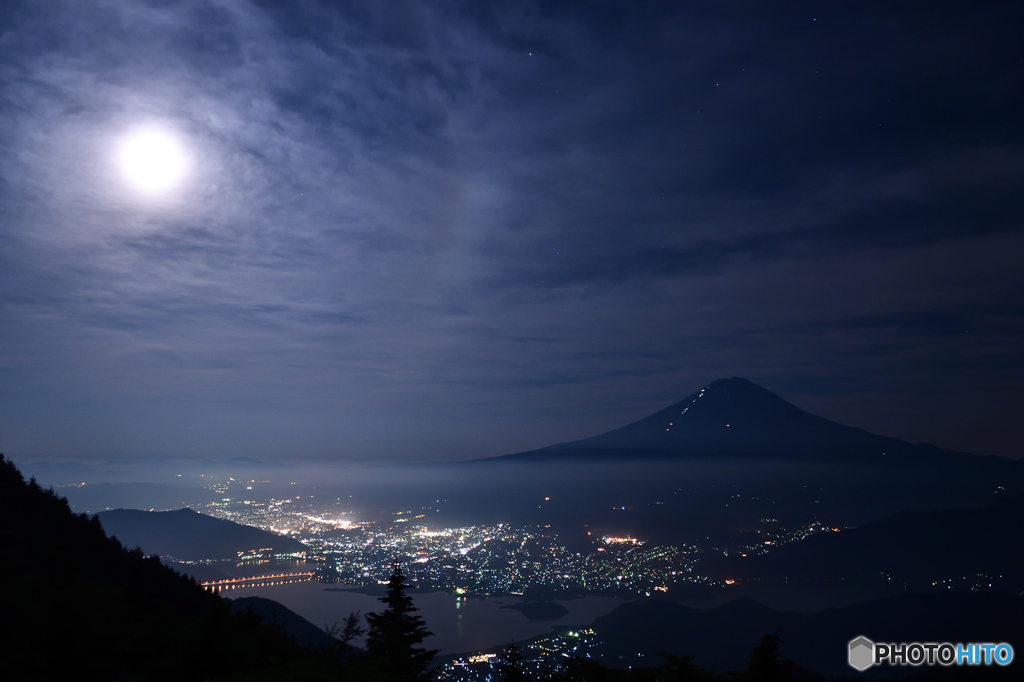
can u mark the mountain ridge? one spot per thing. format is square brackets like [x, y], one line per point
[186, 534]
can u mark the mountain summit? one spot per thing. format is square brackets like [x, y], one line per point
[734, 418]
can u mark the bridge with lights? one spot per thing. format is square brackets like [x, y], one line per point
[257, 581]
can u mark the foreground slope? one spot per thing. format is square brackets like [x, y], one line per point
[720, 638]
[83, 607]
[295, 626]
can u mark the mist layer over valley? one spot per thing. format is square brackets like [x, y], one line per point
[729, 459]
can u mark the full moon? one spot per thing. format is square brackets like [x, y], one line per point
[153, 161]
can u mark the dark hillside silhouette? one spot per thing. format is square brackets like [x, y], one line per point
[81, 606]
[720, 638]
[295, 626]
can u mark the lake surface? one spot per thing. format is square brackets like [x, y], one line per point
[459, 624]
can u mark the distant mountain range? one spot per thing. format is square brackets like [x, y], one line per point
[103, 496]
[134, 470]
[188, 535]
[735, 418]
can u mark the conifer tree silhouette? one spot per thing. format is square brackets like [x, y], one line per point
[683, 669]
[513, 669]
[766, 664]
[395, 634]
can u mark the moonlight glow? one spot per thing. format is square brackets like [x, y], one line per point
[153, 161]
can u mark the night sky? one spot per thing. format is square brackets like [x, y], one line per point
[425, 230]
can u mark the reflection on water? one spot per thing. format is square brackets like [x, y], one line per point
[459, 624]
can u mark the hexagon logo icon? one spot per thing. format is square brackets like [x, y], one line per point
[862, 653]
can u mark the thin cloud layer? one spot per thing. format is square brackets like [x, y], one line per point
[411, 231]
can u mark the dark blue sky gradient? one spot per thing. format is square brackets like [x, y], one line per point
[414, 231]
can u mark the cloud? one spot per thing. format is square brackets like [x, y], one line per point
[464, 230]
